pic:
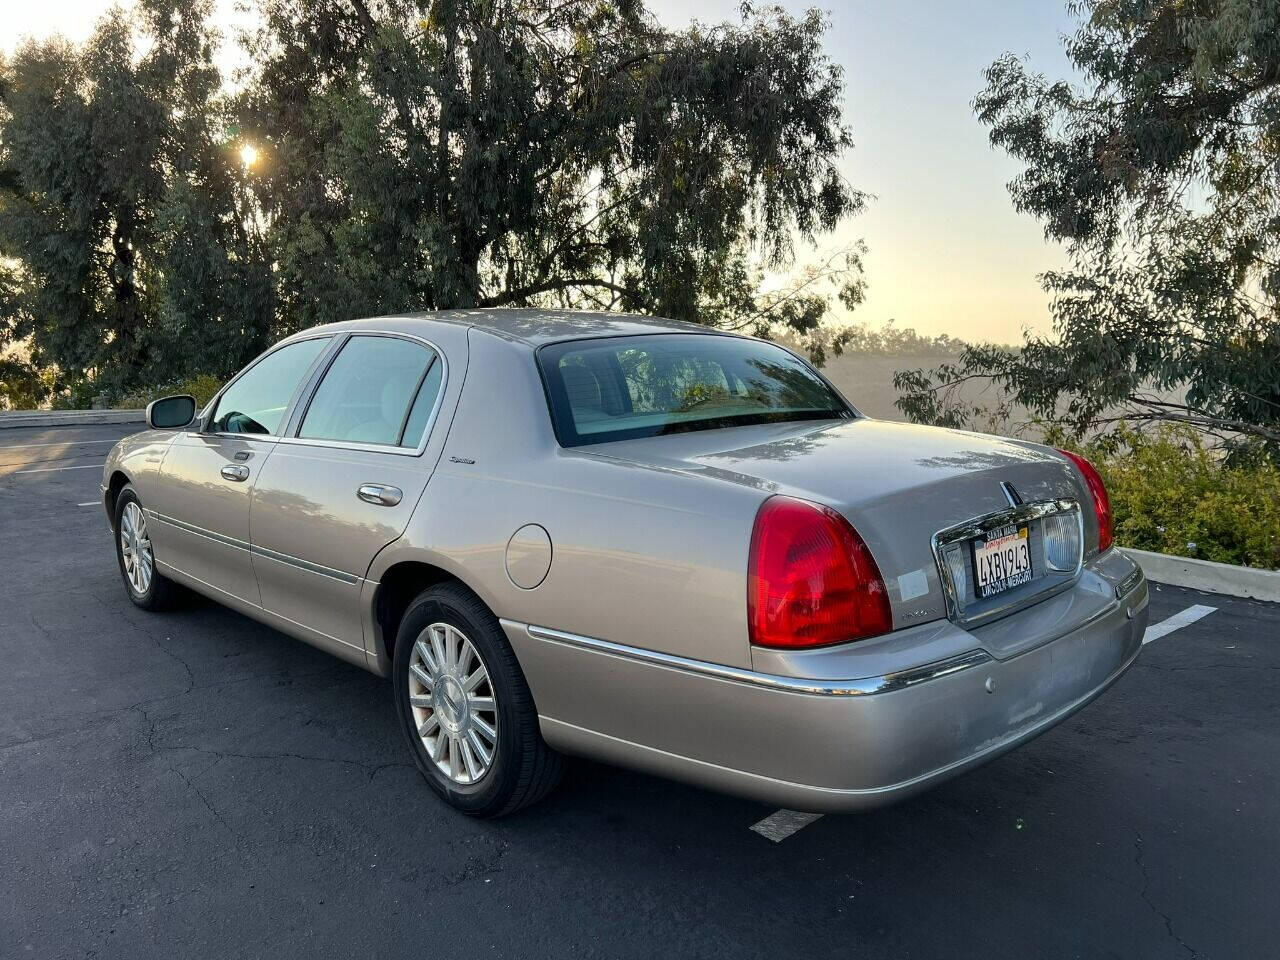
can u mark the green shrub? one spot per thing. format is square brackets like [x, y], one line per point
[74, 393]
[202, 387]
[1168, 492]
[23, 386]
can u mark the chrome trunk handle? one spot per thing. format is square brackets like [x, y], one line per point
[379, 494]
[233, 472]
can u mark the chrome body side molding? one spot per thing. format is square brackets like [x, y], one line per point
[861, 687]
[256, 551]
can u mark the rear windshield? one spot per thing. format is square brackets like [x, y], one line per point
[619, 388]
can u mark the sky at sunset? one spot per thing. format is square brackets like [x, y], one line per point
[948, 254]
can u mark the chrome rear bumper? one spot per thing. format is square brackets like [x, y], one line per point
[823, 744]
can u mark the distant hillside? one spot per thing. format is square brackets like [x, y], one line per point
[864, 371]
[867, 381]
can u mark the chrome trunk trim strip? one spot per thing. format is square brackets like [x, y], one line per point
[830, 688]
[978, 526]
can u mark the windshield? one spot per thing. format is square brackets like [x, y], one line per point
[623, 387]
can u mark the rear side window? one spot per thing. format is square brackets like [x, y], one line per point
[378, 390]
[619, 388]
[423, 405]
[255, 403]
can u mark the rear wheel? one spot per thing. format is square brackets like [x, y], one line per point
[146, 586]
[465, 707]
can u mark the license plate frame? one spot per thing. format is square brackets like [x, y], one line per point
[1001, 560]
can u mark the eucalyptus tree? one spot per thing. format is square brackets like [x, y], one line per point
[1160, 172]
[467, 153]
[120, 219]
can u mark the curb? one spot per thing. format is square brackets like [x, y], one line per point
[68, 418]
[1208, 576]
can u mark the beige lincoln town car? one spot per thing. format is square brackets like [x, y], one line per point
[639, 541]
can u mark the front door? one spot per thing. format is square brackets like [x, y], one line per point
[333, 495]
[199, 512]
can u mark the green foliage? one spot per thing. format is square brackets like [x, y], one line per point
[120, 207]
[891, 340]
[570, 153]
[202, 386]
[1168, 491]
[22, 386]
[944, 398]
[1161, 173]
[411, 155]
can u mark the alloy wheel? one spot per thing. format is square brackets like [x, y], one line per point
[453, 705]
[135, 548]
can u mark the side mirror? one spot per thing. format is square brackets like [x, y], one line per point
[171, 413]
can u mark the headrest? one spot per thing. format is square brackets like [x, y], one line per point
[582, 387]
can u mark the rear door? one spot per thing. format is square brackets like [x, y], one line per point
[344, 482]
[199, 508]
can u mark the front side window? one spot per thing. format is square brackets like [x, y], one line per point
[623, 387]
[378, 390]
[257, 401]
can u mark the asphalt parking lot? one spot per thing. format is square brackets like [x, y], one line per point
[193, 784]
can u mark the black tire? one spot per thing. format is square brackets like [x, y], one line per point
[161, 592]
[523, 768]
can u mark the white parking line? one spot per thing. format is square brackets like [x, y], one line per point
[91, 503]
[778, 826]
[87, 466]
[60, 443]
[1177, 621]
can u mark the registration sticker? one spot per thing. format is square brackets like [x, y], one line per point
[1001, 561]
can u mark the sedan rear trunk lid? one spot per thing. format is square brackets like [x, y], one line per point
[899, 484]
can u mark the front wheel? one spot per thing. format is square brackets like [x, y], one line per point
[147, 587]
[465, 707]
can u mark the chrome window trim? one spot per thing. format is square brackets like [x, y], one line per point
[980, 525]
[212, 406]
[867, 686]
[249, 548]
[548, 396]
[298, 411]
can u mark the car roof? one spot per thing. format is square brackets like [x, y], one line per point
[533, 327]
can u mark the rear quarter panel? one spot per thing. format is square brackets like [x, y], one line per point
[641, 556]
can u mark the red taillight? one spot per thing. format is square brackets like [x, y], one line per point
[810, 578]
[1098, 491]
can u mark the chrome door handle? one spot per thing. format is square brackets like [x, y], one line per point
[232, 472]
[382, 495]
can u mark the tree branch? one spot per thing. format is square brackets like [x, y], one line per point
[560, 283]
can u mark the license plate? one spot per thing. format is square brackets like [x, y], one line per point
[1001, 561]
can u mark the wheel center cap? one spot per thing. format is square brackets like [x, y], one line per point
[453, 703]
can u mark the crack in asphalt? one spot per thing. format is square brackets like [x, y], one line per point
[146, 707]
[190, 782]
[1146, 898]
[97, 718]
[373, 768]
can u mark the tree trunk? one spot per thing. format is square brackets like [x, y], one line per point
[125, 348]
